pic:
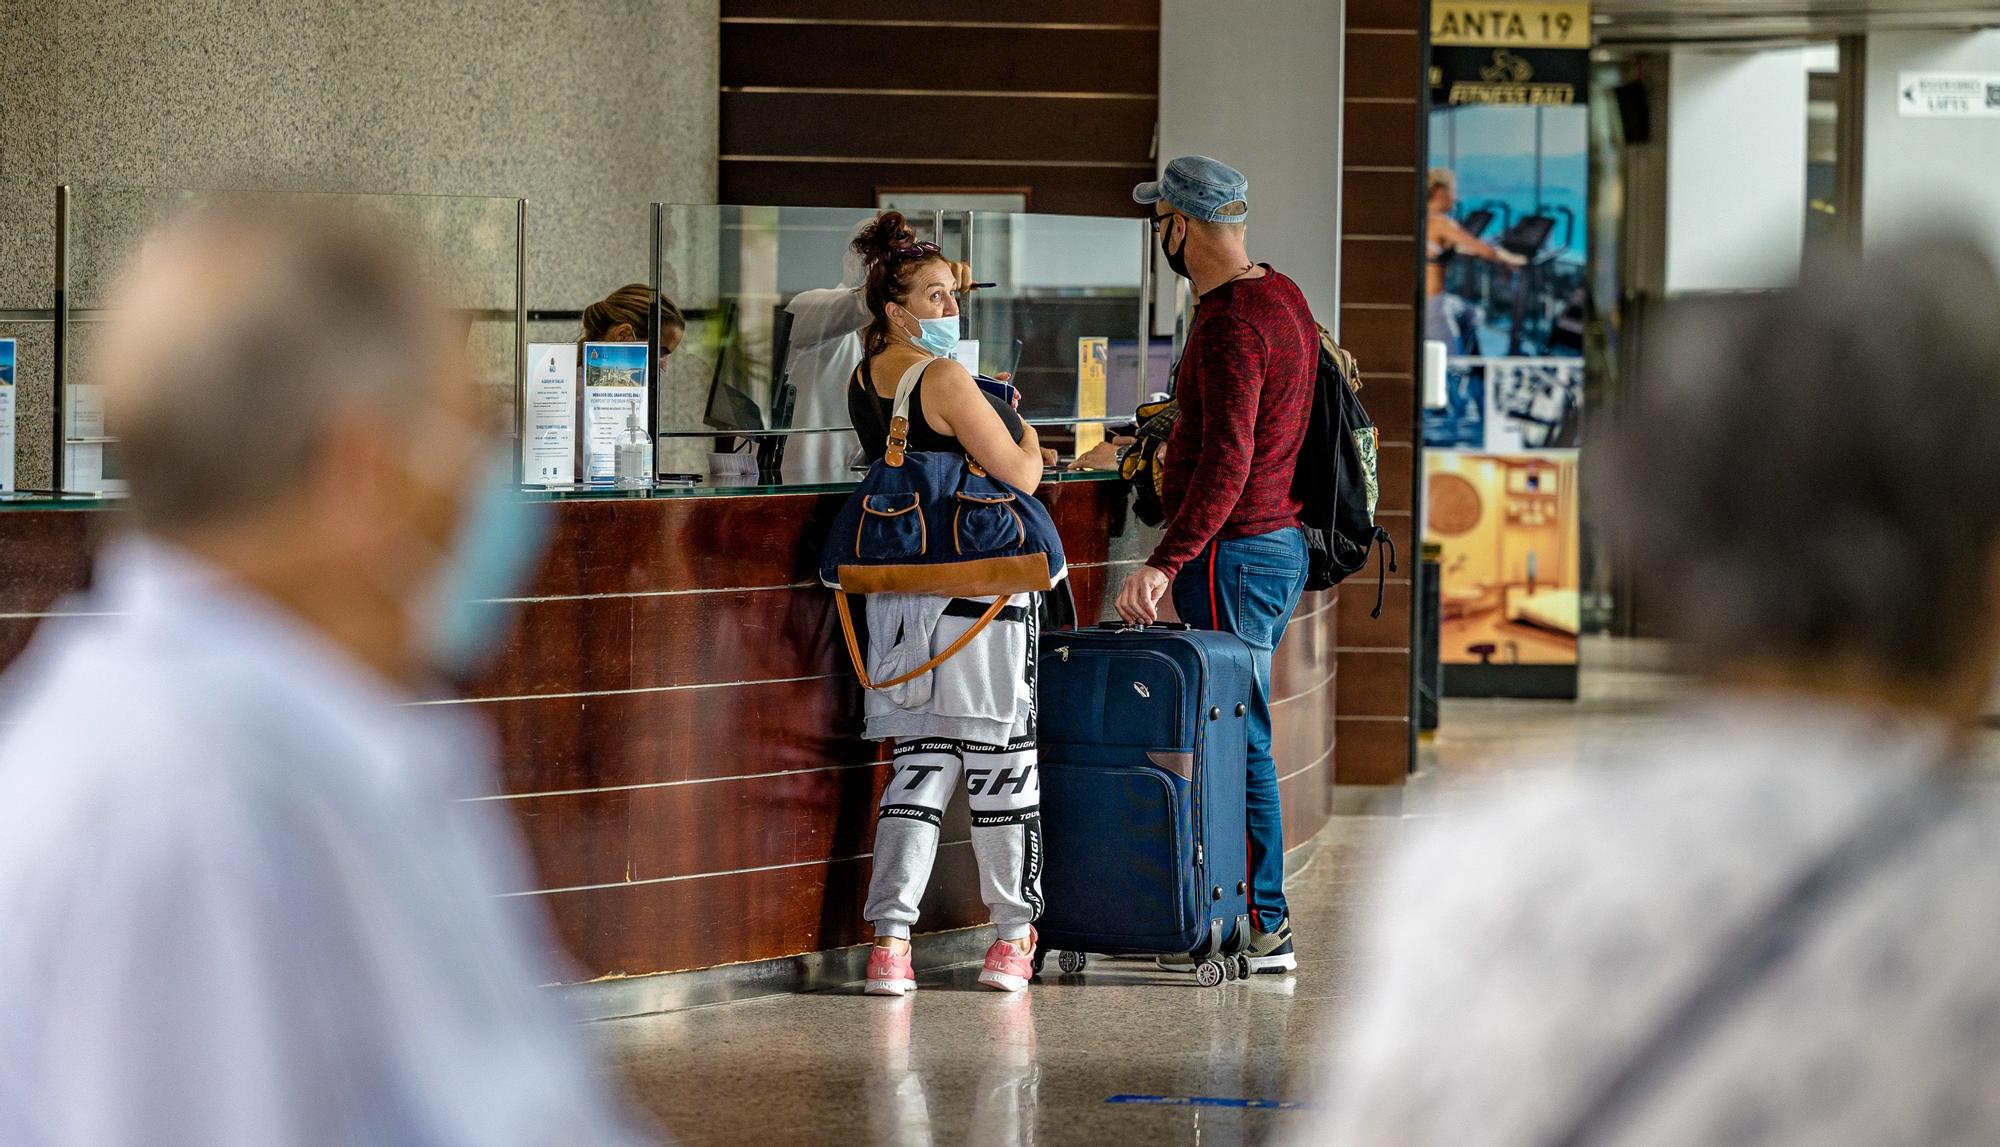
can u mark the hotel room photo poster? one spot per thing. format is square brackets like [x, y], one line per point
[1506, 259]
[614, 386]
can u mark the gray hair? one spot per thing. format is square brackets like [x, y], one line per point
[1811, 474]
[238, 334]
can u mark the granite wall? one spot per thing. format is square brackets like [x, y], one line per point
[591, 109]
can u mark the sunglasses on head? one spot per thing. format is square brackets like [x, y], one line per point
[918, 251]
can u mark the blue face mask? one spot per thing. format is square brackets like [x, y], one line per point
[498, 545]
[940, 336]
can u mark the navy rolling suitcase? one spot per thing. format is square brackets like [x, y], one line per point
[1143, 735]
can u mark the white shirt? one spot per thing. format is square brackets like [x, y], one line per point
[241, 902]
[825, 347]
[1522, 948]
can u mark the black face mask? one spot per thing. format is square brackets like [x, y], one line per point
[1176, 260]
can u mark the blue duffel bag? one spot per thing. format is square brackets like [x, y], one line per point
[931, 522]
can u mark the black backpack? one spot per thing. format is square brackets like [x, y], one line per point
[1336, 478]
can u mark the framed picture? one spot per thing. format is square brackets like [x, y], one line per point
[924, 200]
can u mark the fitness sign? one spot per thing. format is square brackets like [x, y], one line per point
[1536, 54]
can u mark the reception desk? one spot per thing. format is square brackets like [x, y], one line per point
[678, 725]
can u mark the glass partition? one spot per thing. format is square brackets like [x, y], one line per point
[767, 292]
[470, 247]
[1067, 314]
[734, 272]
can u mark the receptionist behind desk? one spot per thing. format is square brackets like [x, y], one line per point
[620, 317]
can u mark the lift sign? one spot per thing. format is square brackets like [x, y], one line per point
[1960, 94]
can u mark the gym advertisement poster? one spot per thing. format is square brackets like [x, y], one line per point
[1506, 258]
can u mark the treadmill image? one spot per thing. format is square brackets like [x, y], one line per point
[1529, 239]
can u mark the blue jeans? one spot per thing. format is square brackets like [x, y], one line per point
[1249, 587]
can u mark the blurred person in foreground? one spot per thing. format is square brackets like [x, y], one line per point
[241, 898]
[1775, 922]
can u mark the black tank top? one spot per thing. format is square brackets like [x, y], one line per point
[870, 413]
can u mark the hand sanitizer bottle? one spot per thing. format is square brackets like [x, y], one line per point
[634, 466]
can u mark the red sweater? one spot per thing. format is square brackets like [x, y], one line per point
[1245, 386]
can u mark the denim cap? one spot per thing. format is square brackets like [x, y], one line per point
[1200, 188]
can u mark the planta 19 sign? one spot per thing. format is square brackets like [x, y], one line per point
[1498, 24]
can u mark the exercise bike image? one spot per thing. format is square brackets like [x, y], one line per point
[1541, 301]
[1545, 277]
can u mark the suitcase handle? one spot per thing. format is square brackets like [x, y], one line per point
[1128, 627]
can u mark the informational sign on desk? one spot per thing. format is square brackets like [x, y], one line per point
[614, 381]
[1956, 95]
[6, 414]
[548, 416]
[1092, 384]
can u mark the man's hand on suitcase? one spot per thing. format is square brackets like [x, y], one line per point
[1139, 598]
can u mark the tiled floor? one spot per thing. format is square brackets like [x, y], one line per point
[955, 1064]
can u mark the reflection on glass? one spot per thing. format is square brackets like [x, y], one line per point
[772, 304]
[1069, 290]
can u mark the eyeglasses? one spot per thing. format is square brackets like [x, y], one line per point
[919, 251]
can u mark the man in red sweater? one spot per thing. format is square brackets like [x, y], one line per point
[1233, 553]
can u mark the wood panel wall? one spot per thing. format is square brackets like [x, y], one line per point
[679, 730]
[1381, 313]
[826, 101]
[680, 734]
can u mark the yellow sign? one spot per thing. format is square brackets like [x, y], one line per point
[1498, 24]
[1091, 380]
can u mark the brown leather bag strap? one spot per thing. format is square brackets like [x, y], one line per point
[951, 651]
[899, 417]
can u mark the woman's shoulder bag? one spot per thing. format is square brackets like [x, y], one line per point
[935, 522]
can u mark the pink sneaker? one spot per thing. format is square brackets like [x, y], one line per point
[889, 973]
[1008, 969]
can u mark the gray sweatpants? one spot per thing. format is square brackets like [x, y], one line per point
[1005, 791]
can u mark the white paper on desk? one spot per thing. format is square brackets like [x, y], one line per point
[967, 355]
[548, 415]
[614, 380]
[6, 414]
[87, 468]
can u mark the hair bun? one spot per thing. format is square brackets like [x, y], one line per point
[889, 234]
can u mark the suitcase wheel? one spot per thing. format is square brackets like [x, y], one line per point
[1072, 962]
[1242, 966]
[1209, 973]
[1040, 955]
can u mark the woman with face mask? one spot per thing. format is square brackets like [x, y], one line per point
[971, 716]
[912, 297]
